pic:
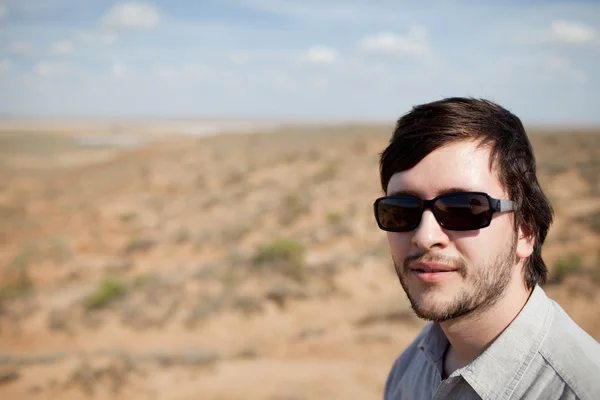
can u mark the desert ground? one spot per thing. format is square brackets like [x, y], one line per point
[235, 266]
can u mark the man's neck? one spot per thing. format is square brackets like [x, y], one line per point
[471, 335]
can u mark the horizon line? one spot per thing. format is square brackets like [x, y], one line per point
[107, 118]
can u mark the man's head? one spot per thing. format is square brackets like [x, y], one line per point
[460, 144]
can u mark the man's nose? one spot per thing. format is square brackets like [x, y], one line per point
[429, 234]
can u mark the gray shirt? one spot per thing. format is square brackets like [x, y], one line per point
[542, 354]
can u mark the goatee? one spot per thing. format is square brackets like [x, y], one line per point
[481, 286]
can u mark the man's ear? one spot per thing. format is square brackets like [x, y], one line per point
[525, 241]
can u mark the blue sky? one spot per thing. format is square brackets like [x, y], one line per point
[341, 59]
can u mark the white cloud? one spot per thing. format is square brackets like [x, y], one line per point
[549, 69]
[46, 68]
[22, 48]
[5, 66]
[165, 72]
[119, 70]
[131, 15]
[572, 32]
[109, 38]
[2, 11]
[94, 37]
[554, 63]
[564, 32]
[61, 48]
[208, 73]
[321, 55]
[414, 43]
[268, 79]
[36, 6]
[332, 11]
[320, 84]
[239, 58]
[560, 66]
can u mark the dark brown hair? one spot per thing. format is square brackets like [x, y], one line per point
[428, 127]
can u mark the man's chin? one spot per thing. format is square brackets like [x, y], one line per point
[432, 306]
[431, 294]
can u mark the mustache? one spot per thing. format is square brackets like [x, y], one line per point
[457, 263]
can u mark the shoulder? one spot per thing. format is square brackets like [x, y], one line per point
[572, 353]
[409, 360]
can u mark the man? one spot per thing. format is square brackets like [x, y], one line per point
[466, 219]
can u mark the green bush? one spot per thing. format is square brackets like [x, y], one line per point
[293, 206]
[108, 290]
[593, 221]
[21, 287]
[283, 255]
[329, 172]
[334, 218]
[565, 266]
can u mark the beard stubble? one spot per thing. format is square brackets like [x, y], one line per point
[485, 284]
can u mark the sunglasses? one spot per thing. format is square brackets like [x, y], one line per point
[462, 211]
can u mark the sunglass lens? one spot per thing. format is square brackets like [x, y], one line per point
[398, 214]
[464, 211]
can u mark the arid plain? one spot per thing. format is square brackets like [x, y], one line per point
[236, 266]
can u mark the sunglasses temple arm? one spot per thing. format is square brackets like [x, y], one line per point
[505, 205]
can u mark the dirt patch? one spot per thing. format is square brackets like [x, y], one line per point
[235, 266]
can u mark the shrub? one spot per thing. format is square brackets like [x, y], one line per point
[329, 172]
[293, 206]
[22, 286]
[139, 244]
[565, 266]
[334, 218]
[285, 256]
[593, 221]
[108, 290]
[247, 304]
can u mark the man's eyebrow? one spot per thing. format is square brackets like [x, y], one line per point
[404, 192]
[456, 189]
[412, 193]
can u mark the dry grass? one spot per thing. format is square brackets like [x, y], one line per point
[262, 248]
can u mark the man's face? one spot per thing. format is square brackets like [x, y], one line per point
[482, 262]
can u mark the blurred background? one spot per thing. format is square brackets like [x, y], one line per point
[186, 187]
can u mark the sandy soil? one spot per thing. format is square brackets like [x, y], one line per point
[240, 266]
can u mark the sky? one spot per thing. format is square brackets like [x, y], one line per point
[313, 59]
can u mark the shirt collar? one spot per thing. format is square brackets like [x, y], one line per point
[505, 358]
[501, 362]
[434, 343]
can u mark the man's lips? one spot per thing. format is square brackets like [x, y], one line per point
[432, 267]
